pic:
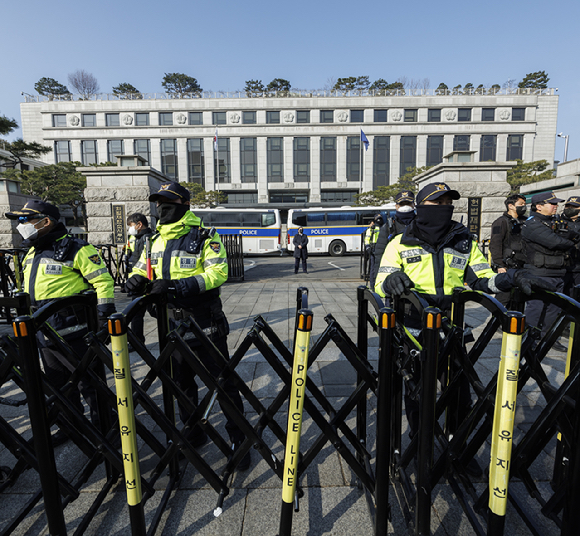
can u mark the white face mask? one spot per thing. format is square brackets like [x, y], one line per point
[405, 208]
[27, 230]
[133, 231]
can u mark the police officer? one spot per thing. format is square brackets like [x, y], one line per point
[138, 231]
[505, 245]
[547, 250]
[404, 214]
[371, 237]
[56, 266]
[189, 265]
[570, 216]
[300, 242]
[435, 254]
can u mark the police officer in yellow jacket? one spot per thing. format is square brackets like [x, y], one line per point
[189, 265]
[371, 236]
[56, 266]
[434, 255]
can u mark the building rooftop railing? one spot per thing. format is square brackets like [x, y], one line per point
[296, 93]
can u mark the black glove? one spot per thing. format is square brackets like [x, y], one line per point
[136, 285]
[574, 236]
[163, 286]
[398, 283]
[105, 311]
[526, 283]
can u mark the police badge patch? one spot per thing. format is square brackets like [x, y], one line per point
[95, 259]
[215, 246]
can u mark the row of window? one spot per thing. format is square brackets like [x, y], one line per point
[326, 196]
[301, 156]
[410, 115]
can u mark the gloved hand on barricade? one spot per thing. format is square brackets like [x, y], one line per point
[163, 286]
[136, 285]
[397, 284]
[527, 283]
[105, 311]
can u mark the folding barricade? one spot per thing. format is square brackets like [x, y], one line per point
[445, 445]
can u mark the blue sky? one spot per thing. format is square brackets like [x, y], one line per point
[223, 44]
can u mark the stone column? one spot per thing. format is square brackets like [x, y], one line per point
[131, 186]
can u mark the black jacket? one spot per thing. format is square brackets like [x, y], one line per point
[505, 244]
[574, 263]
[546, 251]
[139, 245]
[300, 240]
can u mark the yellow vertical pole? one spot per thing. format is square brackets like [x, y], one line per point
[297, 393]
[503, 420]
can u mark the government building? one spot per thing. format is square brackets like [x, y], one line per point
[296, 147]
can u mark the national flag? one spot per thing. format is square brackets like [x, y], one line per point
[364, 139]
[215, 144]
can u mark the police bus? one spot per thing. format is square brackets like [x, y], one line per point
[334, 230]
[261, 228]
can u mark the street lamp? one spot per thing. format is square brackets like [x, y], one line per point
[27, 94]
[565, 136]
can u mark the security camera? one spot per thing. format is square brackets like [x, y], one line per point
[22, 92]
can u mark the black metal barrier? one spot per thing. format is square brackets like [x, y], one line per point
[409, 360]
[116, 261]
[235, 250]
[365, 259]
[10, 280]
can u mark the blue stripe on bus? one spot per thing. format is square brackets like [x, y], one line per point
[247, 231]
[330, 231]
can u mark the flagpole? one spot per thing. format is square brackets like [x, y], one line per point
[361, 161]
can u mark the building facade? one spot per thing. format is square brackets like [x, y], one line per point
[295, 148]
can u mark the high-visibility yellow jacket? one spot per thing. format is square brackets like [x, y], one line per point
[436, 272]
[190, 255]
[62, 267]
[371, 236]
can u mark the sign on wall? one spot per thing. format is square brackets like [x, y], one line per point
[119, 232]
[474, 215]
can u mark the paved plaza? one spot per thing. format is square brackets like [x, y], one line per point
[332, 502]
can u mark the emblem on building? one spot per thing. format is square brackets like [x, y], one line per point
[450, 115]
[74, 121]
[288, 117]
[234, 118]
[396, 115]
[181, 119]
[342, 117]
[504, 115]
[127, 119]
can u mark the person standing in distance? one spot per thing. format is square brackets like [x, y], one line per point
[138, 232]
[371, 237]
[300, 242]
[547, 249]
[505, 245]
[189, 266]
[404, 215]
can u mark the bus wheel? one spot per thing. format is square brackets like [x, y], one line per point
[337, 248]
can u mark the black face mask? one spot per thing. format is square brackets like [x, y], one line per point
[521, 211]
[571, 212]
[171, 212]
[405, 217]
[433, 222]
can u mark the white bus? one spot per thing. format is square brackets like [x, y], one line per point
[261, 228]
[334, 230]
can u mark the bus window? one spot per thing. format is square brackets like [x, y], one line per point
[315, 219]
[227, 219]
[250, 219]
[299, 219]
[206, 218]
[341, 218]
[268, 219]
[366, 217]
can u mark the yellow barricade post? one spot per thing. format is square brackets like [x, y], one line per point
[126, 412]
[297, 392]
[503, 420]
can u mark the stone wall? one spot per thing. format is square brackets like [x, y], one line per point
[10, 201]
[473, 179]
[129, 186]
